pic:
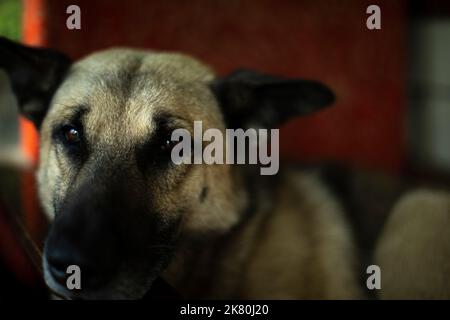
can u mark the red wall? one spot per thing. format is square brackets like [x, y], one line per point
[319, 39]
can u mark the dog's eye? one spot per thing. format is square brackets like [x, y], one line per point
[167, 144]
[71, 135]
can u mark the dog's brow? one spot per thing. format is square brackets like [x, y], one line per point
[72, 114]
[173, 121]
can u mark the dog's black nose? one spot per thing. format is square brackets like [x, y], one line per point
[83, 235]
[93, 273]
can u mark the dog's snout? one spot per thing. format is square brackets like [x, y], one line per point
[61, 256]
[83, 235]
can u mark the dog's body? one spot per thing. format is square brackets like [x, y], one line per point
[126, 215]
[294, 225]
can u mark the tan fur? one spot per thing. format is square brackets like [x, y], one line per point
[301, 248]
[414, 249]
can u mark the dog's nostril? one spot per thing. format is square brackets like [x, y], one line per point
[91, 276]
[58, 269]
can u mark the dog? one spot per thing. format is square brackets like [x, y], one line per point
[126, 215]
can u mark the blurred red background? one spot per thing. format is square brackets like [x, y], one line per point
[317, 39]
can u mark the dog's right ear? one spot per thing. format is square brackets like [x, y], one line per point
[35, 74]
[252, 99]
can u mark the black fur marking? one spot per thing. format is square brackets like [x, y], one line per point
[153, 154]
[251, 98]
[35, 75]
[204, 194]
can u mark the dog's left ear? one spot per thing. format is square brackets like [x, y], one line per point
[35, 74]
[252, 99]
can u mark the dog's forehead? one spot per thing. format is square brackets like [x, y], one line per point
[124, 90]
[180, 66]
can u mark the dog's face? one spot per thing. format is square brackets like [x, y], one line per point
[120, 207]
[106, 175]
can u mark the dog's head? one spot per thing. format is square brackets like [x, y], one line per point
[119, 205]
